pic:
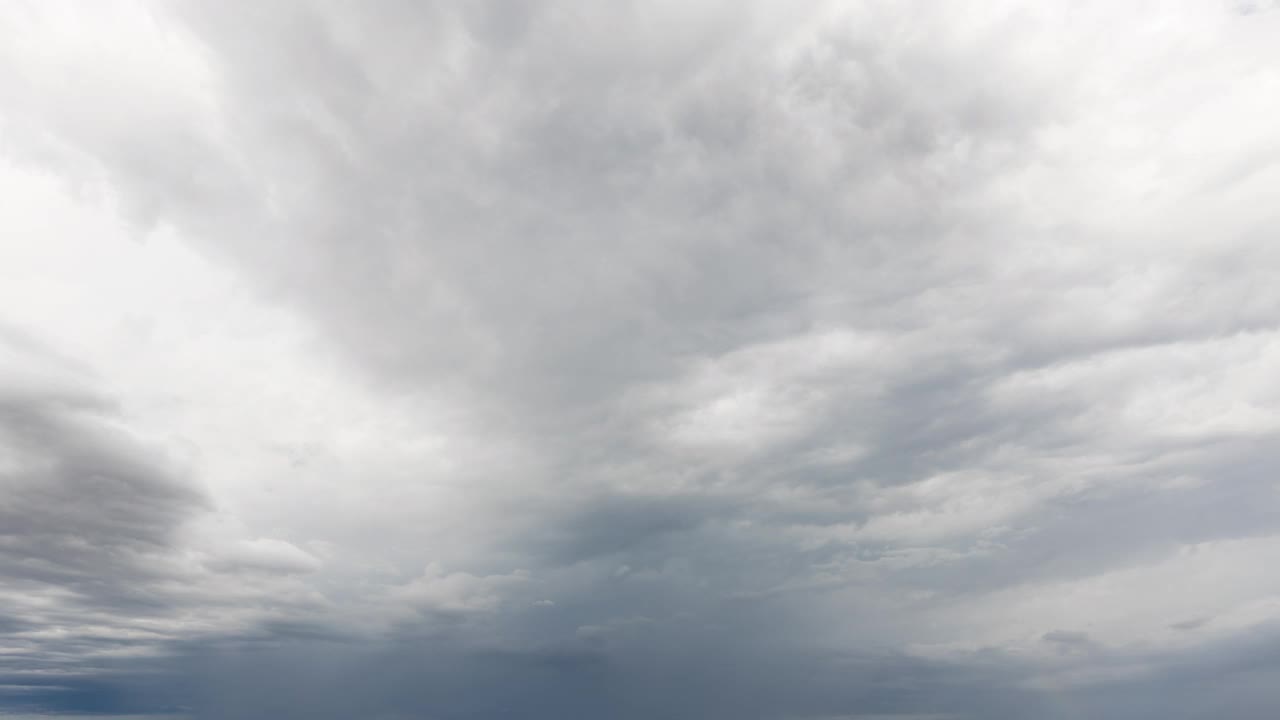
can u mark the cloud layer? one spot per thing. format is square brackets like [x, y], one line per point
[686, 360]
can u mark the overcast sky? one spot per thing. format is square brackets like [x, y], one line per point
[714, 360]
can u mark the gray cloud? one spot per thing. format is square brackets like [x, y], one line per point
[94, 550]
[88, 519]
[82, 495]
[692, 360]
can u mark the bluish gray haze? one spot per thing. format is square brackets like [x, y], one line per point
[712, 360]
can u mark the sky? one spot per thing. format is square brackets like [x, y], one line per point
[697, 359]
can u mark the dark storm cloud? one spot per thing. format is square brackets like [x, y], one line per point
[87, 507]
[842, 352]
[621, 526]
[98, 575]
[695, 673]
[80, 499]
[87, 524]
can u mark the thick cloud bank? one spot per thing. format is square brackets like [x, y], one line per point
[716, 360]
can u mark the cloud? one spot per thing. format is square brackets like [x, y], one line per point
[96, 549]
[652, 359]
[266, 555]
[88, 505]
[458, 592]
